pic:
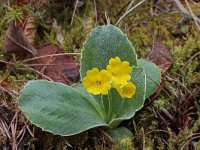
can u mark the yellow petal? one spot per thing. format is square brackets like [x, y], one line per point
[92, 72]
[97, 82]
[120, 71]
[127, 90]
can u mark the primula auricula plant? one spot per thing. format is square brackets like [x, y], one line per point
[114, 86]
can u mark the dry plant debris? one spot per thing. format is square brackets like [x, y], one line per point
[60, 68]
[17, 42]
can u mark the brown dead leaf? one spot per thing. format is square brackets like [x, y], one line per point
[16, 42]
[29, 29]
[60, 68]
[161, 55]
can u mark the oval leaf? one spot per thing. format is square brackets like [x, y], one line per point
[58, 108]
[119, 133]
[126, 108]
[122, 109]
[103, 43]
[153, 76]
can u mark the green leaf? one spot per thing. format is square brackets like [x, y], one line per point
[122, 108]
[84, 92]
[119, 133]
[125, 108]
[103, 43]
[58, 108]
[153, 76]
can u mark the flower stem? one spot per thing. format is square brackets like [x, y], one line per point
[103, 108]
[109, 106]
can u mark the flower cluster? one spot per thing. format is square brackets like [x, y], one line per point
[116, 75]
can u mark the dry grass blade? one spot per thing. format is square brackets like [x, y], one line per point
[29, 130]
[181, 85]
[38, 72]
[21, 135]
[193, 15]
[11, 94]
[127, 12]
[35, 65]
[96, 14]
[61, 54]
[14, 142]
[14, 118]
[107, 19]
[196, 137]
[164, 131]
[129, 6]
[12, 131]
[74, 12]
[182, 8]
[4, 129]
[189, 60]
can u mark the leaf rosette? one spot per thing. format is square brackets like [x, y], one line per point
[108, 63]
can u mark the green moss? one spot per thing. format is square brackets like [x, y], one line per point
[124, 144]
[181, 54]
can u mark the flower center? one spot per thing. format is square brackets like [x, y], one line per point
[115, 74]
[98, 82]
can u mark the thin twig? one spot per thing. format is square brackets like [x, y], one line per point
[164, 131]
[107, 18]
[22, 136]
[124, 15]
[179, 83]
[61, 54]
[189, 141]
[14, 117]
[143, 138]
[182, 8]
[14, 142]
[96, 14]
[8, 2]
[129, 6]
[11, 94]
[74, 12]
[5, 128]
[29, 68]
[49, 61]
[193, 16]
[33, 65]
[29, 130]
[189, 60]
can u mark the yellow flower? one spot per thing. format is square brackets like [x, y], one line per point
[126, 90]
[120, 71]
[97, 82]
[116, 75]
